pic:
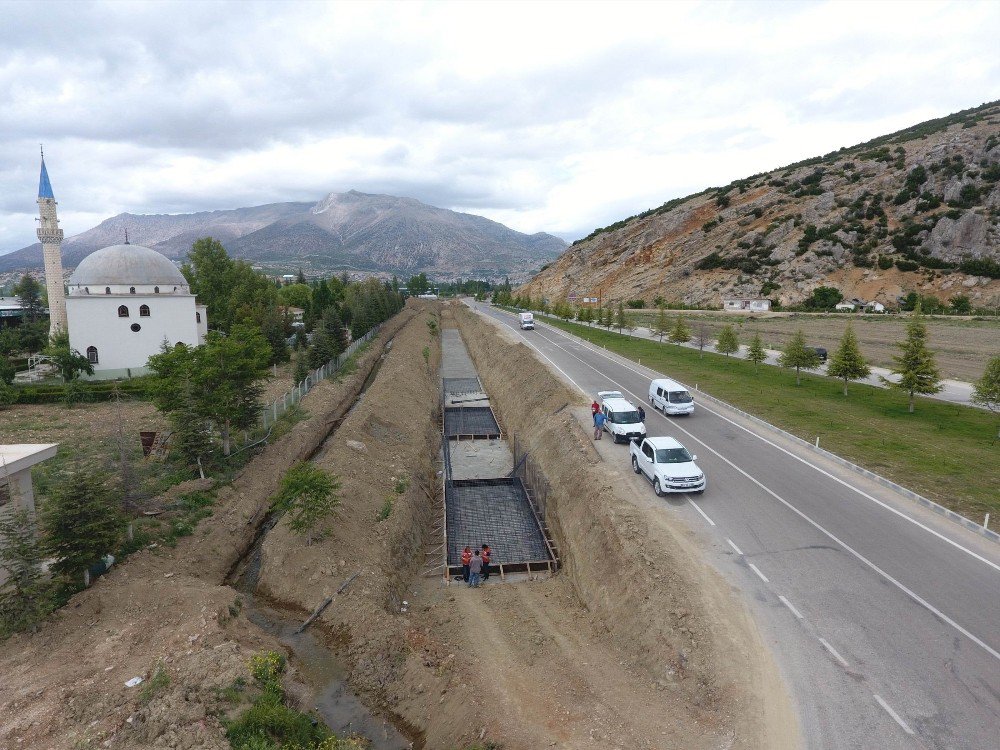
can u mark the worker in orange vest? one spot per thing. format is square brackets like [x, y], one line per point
[466, 559]
[487, 554]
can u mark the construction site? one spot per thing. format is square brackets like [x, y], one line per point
[599, 628]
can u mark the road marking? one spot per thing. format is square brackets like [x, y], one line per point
[703, 514]
[791, 607]
[756, 570]
[735, 548]
[893, 714]
[912, 594]
[787, 452]
[833, 652]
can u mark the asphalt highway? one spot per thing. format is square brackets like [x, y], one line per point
[883, 617]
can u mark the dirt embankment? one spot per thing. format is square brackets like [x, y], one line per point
[64, 686]
[671, 622]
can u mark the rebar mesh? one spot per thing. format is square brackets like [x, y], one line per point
[475, 421]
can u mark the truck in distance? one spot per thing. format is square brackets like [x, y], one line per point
[527, 321]
[667, 465]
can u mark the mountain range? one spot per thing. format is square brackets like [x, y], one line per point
[345, 231]
[913, 211]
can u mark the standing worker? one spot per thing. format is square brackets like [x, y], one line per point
[466, 559]
[475, 565]
[487, 556]
[594, 408]
[599, 420]
[642, 413]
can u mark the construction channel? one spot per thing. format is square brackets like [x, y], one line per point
[490, 493]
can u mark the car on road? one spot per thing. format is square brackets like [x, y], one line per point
[670, 397]
[667, 465]
[623, 422]
[820, 352]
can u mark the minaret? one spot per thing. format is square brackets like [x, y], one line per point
[51, 236]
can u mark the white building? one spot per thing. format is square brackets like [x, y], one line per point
[16, 491]
[746, 304]
[124, 301]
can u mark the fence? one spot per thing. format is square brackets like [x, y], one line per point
[533, 479]
[280, 406]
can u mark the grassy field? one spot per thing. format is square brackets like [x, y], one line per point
[943, 451]
[963, 345]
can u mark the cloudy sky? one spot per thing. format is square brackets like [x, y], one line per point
[554, 117]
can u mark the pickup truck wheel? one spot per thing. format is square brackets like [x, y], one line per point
[657, 489]
[635, 465]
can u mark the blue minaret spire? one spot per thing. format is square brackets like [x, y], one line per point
[44, 186]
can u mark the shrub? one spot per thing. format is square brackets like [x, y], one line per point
[636, 304]
[884, 262]
[906, 265]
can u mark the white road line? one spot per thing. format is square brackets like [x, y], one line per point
[893, 714]
[805, 461]
[833, 652]
[912, 594]
[756, 570]
[735, 548]
[703, 513]
[791, 607]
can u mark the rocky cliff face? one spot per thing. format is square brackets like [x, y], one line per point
[916, 210]
[344, 231]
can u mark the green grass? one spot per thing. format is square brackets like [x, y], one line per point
[943, 451]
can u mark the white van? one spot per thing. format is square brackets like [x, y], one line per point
[527, 321]
[623, 421]
[670, 397]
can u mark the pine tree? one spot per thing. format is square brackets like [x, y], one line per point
[701, 338]
[620, 321]
[728, 342]
[192, 436]
[308, 495]
[82, 523]
[334, 327]
[26, 595]
[915, 364]
[301, 365]
[796, 354]
[680, 333]
[847, 363]
[29, 295]
[755, 352]
[986, 390]
[321, 350]
[660, 327]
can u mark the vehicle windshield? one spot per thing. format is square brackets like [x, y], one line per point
[672, 456]
[625, 417]
[679, 397]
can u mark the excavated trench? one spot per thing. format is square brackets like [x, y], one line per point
[339, 708]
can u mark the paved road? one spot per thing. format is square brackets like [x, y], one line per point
[884, 618]
[956, 391]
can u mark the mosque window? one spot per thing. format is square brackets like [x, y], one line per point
[197, 317]
[122, 311]
[86, 290]
[131, 290]
[156, 290]
[135, 327]
[107, 290]
[143, 311]
[92, 355]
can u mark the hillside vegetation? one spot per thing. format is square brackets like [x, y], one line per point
[915, 210]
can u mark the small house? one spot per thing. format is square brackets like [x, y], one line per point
[746, 304]
[846, 307]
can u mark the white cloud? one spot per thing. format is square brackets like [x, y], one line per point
[546, 116]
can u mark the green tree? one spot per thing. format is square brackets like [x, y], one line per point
[7, 370]
[301, 359]
[8, 395]
[296, 295]
[961, 304]
[680, 333]
[660, 327]
[701, 339]
[986, 390]
[847, 363]
[915, 366]
[192, 436]
[728, 342]
[82, 523]
[29, 295]
[25, 596]
[755, 352]
[321, 350]
[796, 354]
[301, 278]
[209, 272]
[308, 495]
[69, 362]
[824, 298]
[620, 319]
[418, 284]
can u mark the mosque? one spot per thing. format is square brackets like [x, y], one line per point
[124, 301]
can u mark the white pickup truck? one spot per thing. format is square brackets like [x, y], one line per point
[667, 465]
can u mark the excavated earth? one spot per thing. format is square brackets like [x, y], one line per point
[633, 644]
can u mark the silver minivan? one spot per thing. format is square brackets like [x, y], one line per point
[670, 397]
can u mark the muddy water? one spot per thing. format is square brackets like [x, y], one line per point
[338, 707]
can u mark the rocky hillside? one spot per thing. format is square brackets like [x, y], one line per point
[344, 231]
[916, 210]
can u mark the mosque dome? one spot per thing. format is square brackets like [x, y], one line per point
[126, 265]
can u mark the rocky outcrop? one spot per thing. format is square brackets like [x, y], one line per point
[916, 210]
